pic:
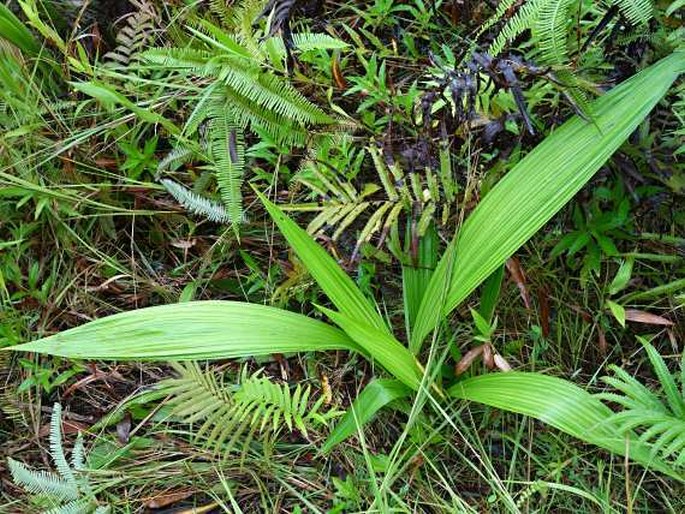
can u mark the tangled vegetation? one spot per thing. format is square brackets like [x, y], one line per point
[342, 256]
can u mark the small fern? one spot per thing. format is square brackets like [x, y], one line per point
[135, 36]
[240, 93]
[549, 19]
[425, 196]
[660, 423]
[195, 203]
[227, 151]
[69, 487]
[228, 414]
[42, 482]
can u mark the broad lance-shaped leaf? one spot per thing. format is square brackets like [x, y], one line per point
[193, 330]
[539, 186]
[562, 405]
[337, 285]
[373, 398]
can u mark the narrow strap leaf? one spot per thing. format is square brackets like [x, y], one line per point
[382, 347]
[337, 285]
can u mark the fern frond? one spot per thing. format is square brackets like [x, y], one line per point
[172, 160]
[82, 506]
[57, 449]
[78, 454]
[667, 381]
[65, 486]
[502, 8]
[42, 482]
[135, 36]
[227, 150]
[256, 405]
[246, 113]
[523, 20]
[274, 94]
[195, 203]
[221, 9]
[551, 29]
[269, 402]
[346, 205]
[638, 12]
[660, 424]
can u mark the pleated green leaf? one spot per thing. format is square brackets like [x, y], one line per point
[539, 186]
[13, 30]
[337, 285]
[562, 405]
[193, 330]
[381, 346]
[373, 398]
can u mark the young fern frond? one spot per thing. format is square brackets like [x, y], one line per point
[197, 204]
[229, 414]
[69, 487]
[57, 449]
[42, 482]
[135, 36]
[82, 506]
[659, 423]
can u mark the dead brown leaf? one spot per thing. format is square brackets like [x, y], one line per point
[488, 357]
[519, 278]
[165, 499]
[501, 363]
[338, 77]
[639, 316]
[543, 302]
[468, 359]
